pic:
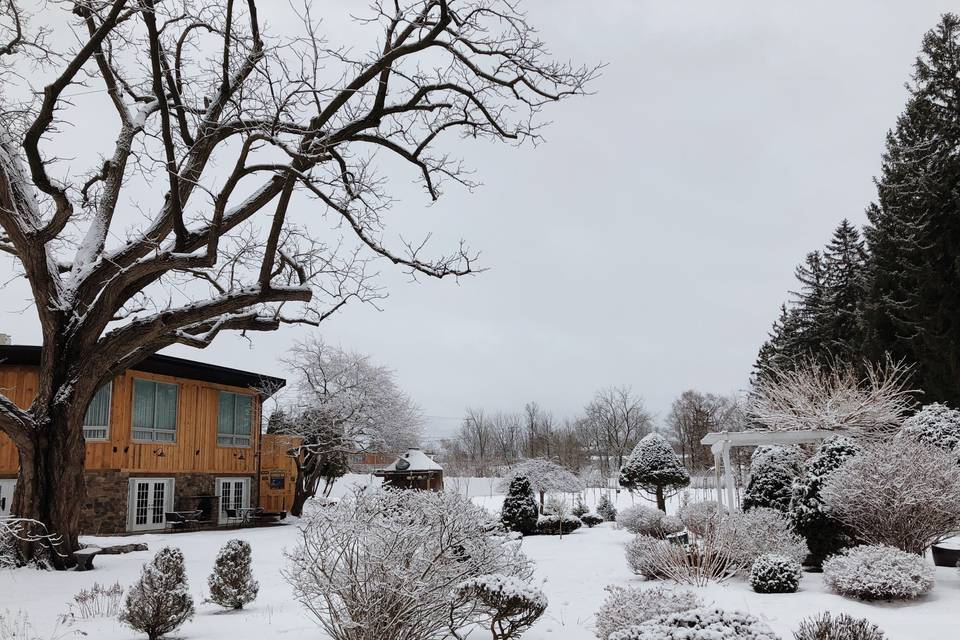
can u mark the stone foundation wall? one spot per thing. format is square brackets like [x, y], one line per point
[105, 508]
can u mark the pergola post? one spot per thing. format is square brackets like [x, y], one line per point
[728, 479]
[716, 471]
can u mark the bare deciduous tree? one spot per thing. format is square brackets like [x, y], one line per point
[344, 405]
[154, 245]
[615, 421]
[833, 397]
[692, 416]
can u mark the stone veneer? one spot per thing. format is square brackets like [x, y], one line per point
[105, 508]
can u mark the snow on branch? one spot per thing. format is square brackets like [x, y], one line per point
[833, 397]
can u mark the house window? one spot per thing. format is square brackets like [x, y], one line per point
[154, 411]
[96, 422]
[235, 423]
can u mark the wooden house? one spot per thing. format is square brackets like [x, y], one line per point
[169, 435]
[413, 470]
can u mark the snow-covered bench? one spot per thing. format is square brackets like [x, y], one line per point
[85, 557]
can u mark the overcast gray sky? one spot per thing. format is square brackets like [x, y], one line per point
[651, 238]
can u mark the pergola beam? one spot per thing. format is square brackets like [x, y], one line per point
[722, 441]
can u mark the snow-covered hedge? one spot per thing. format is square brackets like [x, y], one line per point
[773, 573]
[629, 606]
[935, 424]
[699, 517]
[772, 472]
[878, 572]
[648, 521]
[591, 519]
[902, 493]
[383, 564]
[841, 627]
[505, 604]
[749, 535]
[549, 525]
[699, 624]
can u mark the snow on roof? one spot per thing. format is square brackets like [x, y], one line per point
[416, 460]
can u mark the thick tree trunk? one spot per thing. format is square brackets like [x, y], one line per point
[661, 501]
[51, 490]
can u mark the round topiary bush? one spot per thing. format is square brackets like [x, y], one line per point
[551, 524]
[699, 624]
[878, 572]
[772, 573]
[642, 520]
[842, 627]
[670, 525]
[591, 519]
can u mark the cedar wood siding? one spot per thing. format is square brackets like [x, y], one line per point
[195, 449]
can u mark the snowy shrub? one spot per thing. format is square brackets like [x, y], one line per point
[160, 601]
[14, 532]
[591, 519]
[773, 573]
[545, 476]
[231, 583]
[695, 564]
[505, 605]
[579, 509]
[699, 624]
[700, 517]
[605, 509]
[654, 468]
[99, 601]
[520, 511]
[629, 606]
[383, 564]
[824, 534]
[772, 472]
[747, 536]
[902, 493]
[642, 520]
[670, 525]
[842, 627]
[550, 525]
[878, 572]
[935, 424]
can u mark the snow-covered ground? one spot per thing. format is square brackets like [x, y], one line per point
[574, 571]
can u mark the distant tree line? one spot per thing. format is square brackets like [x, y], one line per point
[893, 289]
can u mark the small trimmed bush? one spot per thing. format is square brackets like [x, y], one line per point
[509, 605]
[591, 519]
[773, 573]
[231, 583]
[878, 572]
[699, 517]
[579, 509]
[550, 525]
[160, 602]
[605, 509]
[629, 606]
[842, 627]
[749, 535]
[699, 624]
[641, 520]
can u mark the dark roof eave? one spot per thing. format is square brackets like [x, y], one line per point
[29, 355]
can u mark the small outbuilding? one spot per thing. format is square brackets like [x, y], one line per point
[413, 470]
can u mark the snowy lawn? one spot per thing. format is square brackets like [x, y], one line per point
[574, 571]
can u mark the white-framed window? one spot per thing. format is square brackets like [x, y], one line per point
[154, 411]
[235, 420]
[96, 421]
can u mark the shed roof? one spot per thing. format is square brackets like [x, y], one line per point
[417, 460]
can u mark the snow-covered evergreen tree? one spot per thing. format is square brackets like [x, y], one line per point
[545, 476]
[772, 472]
[913, 299]
[231, 583]
[605, 508]
[653, 467]
[808, 514]
[520, 510]
[935, 424]
[160, 601]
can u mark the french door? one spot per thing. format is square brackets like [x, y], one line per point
[234, 494]
[150, 499]
[6, 496]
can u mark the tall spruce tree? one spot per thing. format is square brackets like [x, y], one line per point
[845, 283]
[913, 302]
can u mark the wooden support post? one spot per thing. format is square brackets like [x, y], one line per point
[716, 470]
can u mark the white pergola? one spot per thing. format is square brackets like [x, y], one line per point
[721, 443]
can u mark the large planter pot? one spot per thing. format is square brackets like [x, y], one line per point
[945, 556]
